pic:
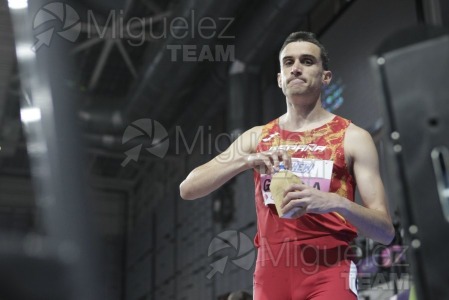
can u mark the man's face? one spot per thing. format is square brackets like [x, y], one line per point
[302, 70]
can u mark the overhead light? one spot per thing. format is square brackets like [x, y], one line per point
[30, 114]
[17, 4]
[24, 51]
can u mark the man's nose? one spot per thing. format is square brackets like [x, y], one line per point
[296, 69]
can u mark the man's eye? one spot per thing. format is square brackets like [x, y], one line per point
[288, 62]
[308, 62]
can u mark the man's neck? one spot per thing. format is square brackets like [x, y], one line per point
[304, 115]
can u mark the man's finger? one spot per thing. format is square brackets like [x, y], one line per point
[294, 195]
[294, 204]
[268, 164]
[294, 188]
[286, 158]
[275, 158]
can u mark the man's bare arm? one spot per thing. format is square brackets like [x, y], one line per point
[240, 156]
[372, 219]
[213, 174]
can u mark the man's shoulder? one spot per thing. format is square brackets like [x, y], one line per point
[357, 132]
[357, 140]
[259, 129]
[250, 139]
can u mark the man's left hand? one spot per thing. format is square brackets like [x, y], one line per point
[309, 200]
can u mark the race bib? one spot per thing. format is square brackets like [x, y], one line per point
[314, 173]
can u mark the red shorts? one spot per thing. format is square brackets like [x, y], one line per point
[302, 272]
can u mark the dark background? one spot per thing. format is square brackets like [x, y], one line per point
[154, 245]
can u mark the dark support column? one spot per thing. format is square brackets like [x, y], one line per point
[49, 117]
[431, 12]
[420, 15]
[244, 105]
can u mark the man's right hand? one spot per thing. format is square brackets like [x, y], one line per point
[268, 162]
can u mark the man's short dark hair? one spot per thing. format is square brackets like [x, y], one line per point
[304, 36]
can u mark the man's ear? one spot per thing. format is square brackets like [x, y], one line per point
[327, 77]
[279, 80]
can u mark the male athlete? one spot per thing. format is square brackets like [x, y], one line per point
[306, 255]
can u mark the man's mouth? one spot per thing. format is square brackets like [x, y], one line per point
[297, 80]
